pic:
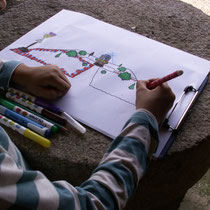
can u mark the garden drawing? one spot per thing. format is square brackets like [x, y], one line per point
[107, 78]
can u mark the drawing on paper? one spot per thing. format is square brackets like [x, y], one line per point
[107, 78]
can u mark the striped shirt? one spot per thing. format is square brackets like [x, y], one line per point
[6, 70]
[109, 187]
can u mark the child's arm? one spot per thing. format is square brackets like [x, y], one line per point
[112, 182]
[6, 70]
[109, 187]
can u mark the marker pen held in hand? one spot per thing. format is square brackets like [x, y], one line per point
[160, 81]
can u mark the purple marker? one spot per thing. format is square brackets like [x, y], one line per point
[37, 101]
[47, 105]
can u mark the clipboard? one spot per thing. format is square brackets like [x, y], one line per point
[175, 130]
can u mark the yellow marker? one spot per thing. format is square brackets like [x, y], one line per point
[25, 132]
[37, 138]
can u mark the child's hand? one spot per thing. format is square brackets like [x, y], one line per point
[158, 101]
[44, 81]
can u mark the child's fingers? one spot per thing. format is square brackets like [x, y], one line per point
[141, 84]
[61, 74]
[59, 83]
[55, 78]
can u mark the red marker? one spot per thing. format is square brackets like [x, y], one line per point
[157, 82]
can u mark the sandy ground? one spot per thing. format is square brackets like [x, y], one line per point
[203, 5]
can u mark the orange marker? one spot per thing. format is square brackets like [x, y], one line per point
[157, 82]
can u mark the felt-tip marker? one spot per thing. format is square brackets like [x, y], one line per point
[60, 127]
[47, 106]
[160, 81]
[36, 100]
[44, 112]
[25, 121]
[74, 123]
[25, 131]
[29, 115]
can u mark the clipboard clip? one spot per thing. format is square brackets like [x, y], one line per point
[166, 121]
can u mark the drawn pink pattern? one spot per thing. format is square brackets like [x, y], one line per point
[72, 75]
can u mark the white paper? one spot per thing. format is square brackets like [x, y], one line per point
[103, 97]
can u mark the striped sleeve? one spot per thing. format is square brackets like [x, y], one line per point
[6, 70]
[109, 187]
[124, 163]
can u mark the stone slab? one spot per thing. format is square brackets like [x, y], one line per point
[73, 157]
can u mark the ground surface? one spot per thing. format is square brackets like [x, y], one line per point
[198, 197]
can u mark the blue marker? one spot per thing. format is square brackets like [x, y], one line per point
[25, 121]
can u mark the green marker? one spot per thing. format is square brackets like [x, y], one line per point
[59, 127]
[10, 105]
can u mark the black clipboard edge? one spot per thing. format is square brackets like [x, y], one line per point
[174, 134]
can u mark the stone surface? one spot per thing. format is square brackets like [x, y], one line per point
[73, 157]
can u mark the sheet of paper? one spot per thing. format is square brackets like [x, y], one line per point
[103, 63]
